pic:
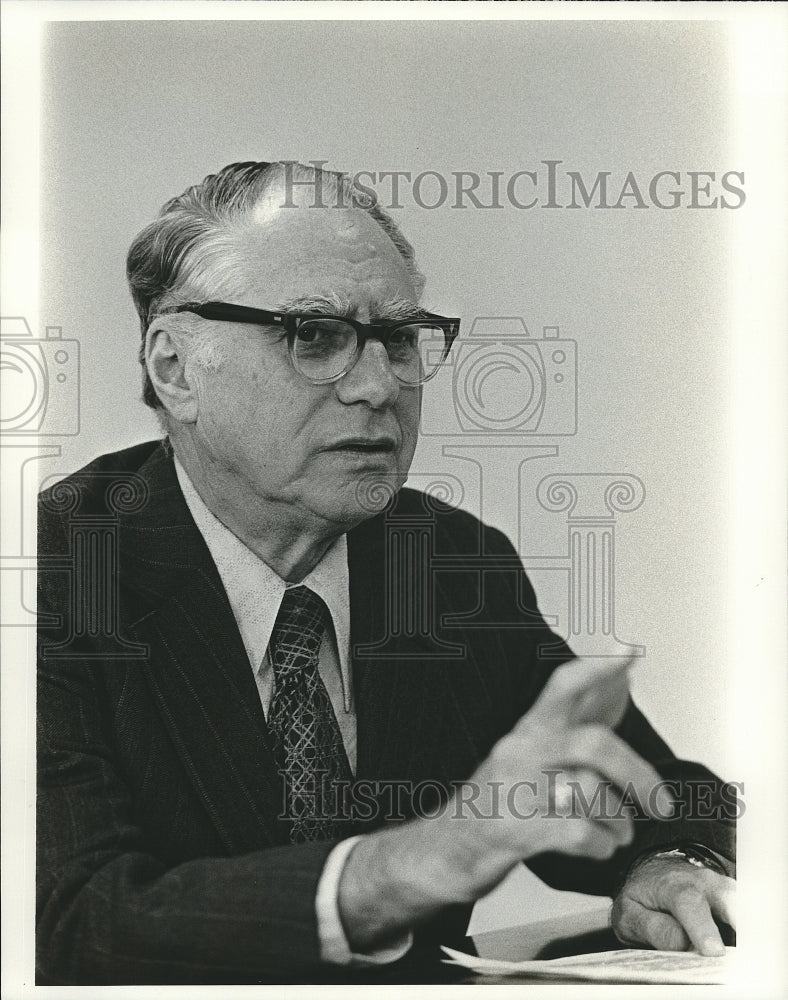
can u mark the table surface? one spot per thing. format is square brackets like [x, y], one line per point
[575, 934]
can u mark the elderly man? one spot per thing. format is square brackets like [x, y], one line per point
[245, 772]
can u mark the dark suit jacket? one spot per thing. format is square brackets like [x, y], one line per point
[161, 855]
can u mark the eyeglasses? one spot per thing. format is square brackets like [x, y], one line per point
[323, 348]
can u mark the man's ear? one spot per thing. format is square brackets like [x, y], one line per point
[165, 357]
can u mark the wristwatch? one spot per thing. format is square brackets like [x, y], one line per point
[694, 854]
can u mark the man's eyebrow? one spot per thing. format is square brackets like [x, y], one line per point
[396, 309]
[334, 305]
[389, 311]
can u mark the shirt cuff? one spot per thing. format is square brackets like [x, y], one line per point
[334, 947]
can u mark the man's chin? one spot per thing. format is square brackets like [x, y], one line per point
[361, 498]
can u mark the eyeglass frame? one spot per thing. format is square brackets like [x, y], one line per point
[230, 313]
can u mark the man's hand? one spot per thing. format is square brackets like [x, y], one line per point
[568, 734]
[523, 800]
[674, 906]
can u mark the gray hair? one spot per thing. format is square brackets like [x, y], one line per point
[193, 234]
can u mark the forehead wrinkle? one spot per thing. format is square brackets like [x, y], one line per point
[318, 240]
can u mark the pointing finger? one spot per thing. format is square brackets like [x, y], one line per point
[586, 691]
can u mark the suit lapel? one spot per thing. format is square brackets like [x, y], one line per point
[198, 670]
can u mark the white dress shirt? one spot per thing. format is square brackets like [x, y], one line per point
[255, 594]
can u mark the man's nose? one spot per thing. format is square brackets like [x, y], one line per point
[371, 380]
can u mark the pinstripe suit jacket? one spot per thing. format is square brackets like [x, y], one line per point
[161, 854]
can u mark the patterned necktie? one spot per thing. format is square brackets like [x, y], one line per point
[307, 742]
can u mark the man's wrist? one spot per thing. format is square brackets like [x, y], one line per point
[477, 864]
[334, 946]
[397, 877]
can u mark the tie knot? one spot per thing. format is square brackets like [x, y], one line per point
[298, 631]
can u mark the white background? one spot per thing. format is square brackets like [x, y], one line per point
[677, 314]
[135, 112]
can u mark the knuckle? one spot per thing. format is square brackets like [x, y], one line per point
[706, 878]
[623, 920]
[715, 879]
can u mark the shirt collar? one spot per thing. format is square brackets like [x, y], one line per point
[255, 591]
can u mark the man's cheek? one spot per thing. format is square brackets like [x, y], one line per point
[409, 441]
[409, 414]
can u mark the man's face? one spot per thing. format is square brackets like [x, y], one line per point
[265, 436]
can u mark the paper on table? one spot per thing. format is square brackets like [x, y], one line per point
[629, 965]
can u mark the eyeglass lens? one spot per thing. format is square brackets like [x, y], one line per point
[325, 348]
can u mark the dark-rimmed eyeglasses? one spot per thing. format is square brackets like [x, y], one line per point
[323, 347]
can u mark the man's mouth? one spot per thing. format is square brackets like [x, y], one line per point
[365, 445]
